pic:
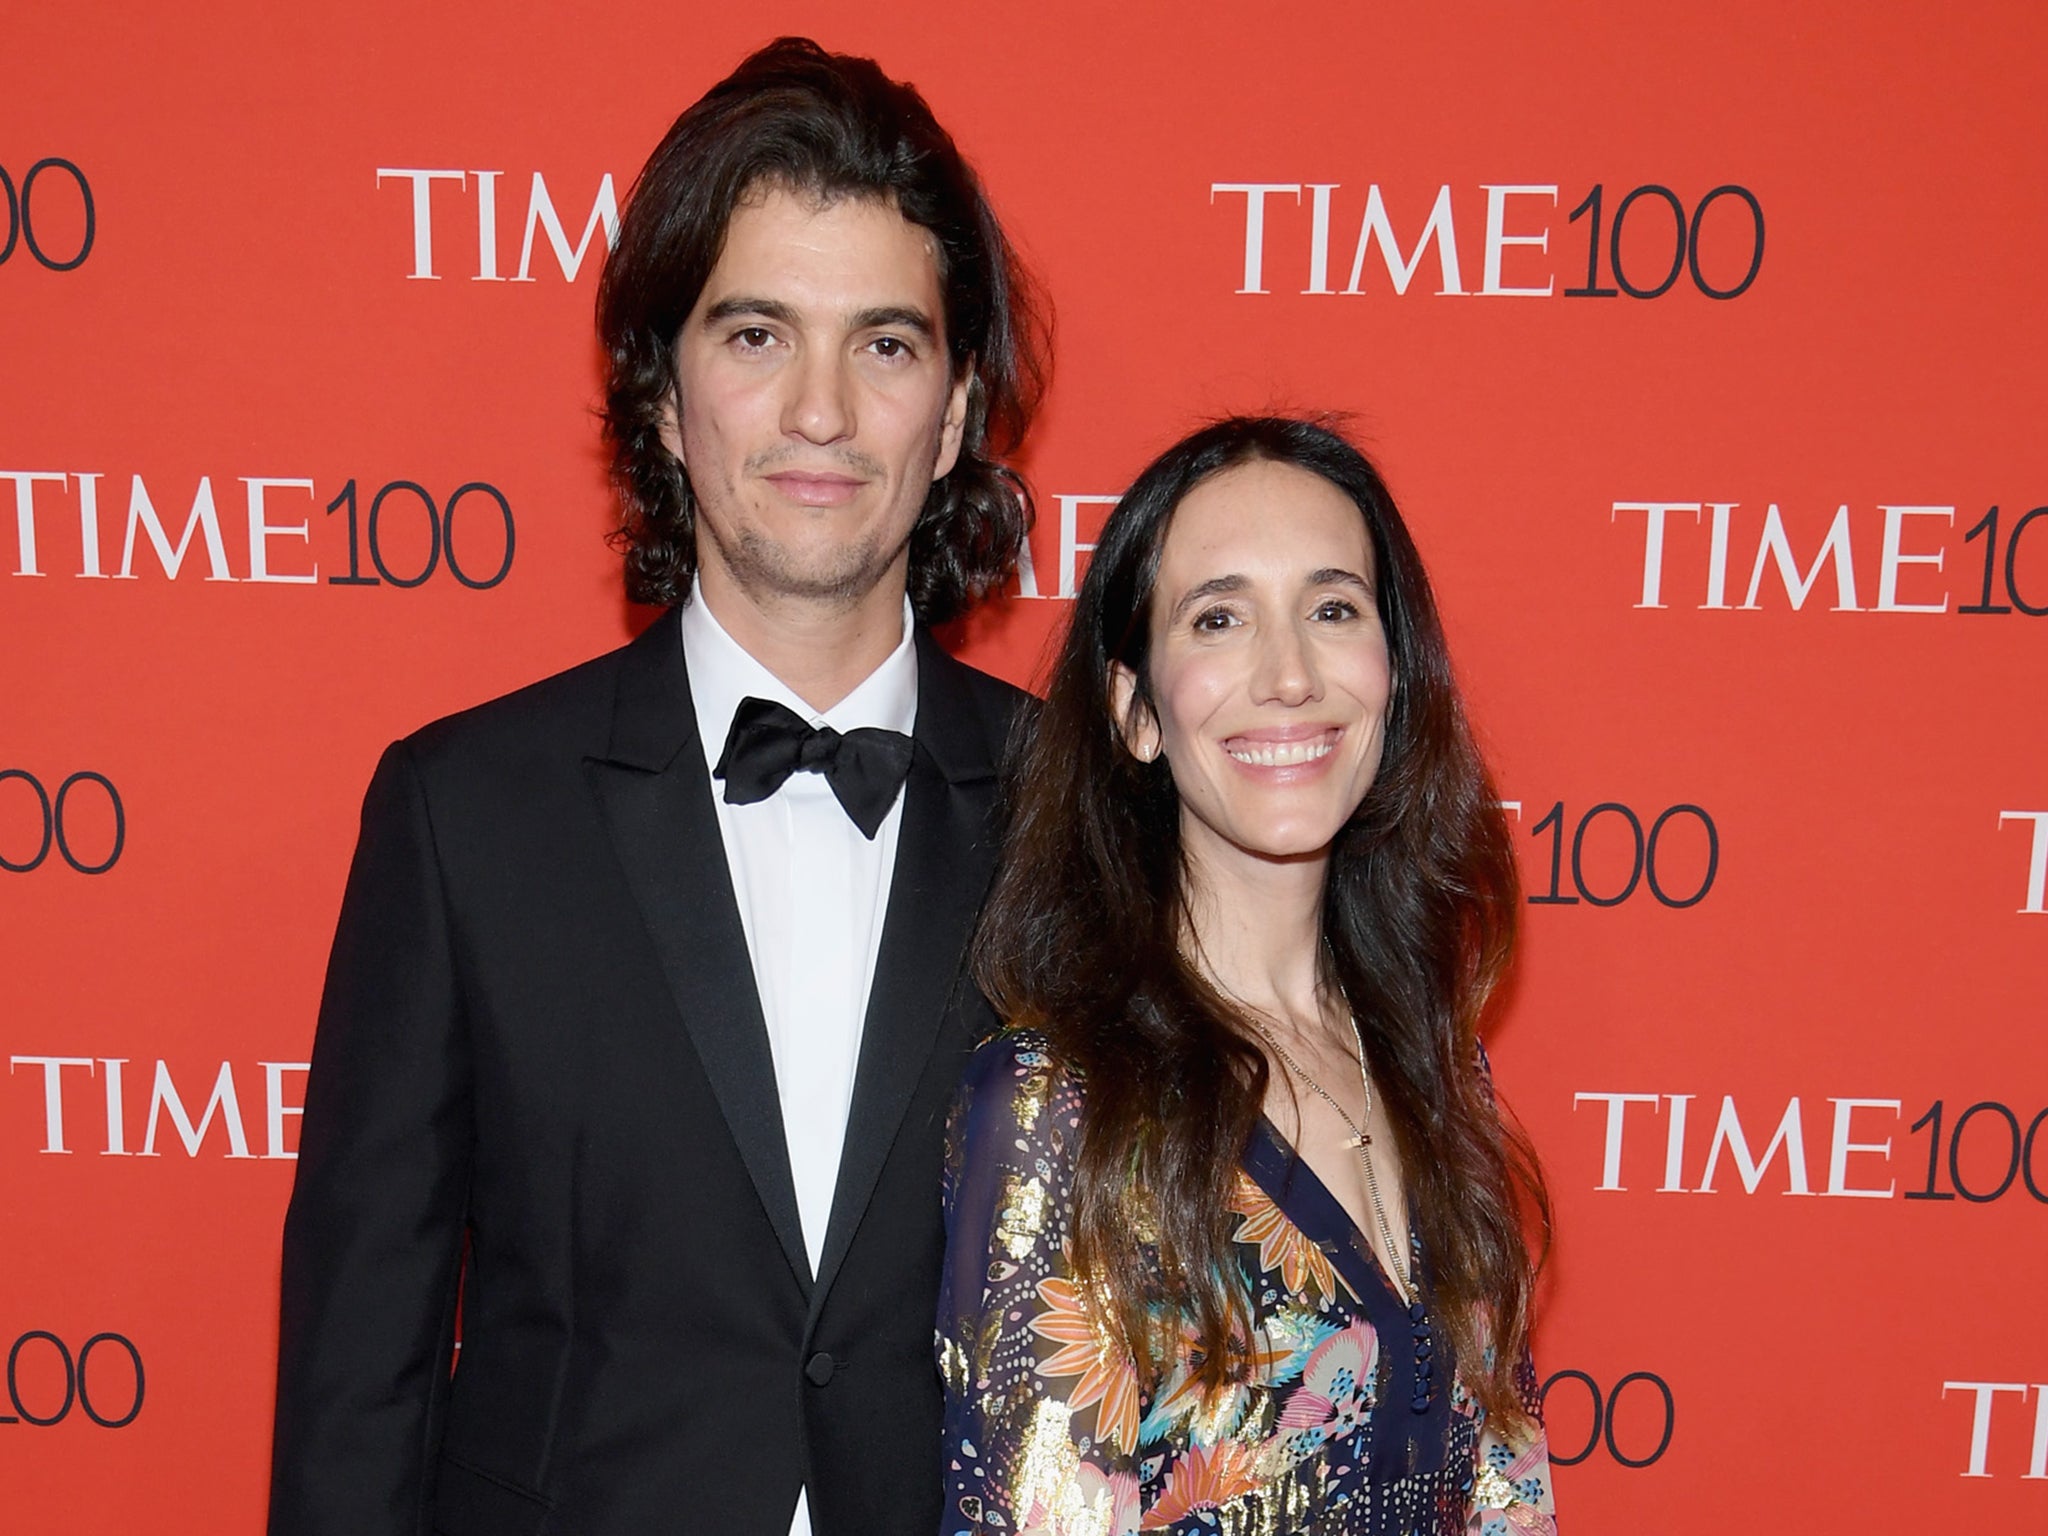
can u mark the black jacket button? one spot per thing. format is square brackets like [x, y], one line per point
[819, 1368]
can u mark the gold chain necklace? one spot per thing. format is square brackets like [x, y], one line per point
[1359, 1139]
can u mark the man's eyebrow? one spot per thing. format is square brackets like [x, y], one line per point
[741, 304]
[906, 316]
[1215, 586]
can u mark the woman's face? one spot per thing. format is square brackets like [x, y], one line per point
[1269, 668]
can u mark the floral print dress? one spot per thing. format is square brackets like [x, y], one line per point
[1049, 1430]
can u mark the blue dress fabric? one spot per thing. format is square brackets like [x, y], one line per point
[1050, 1430]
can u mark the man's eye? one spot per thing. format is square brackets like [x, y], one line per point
[890, 347]
[753, 337]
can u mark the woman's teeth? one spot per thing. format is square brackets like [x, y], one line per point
[1285, 754]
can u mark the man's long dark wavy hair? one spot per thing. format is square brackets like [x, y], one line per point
[829, 126]
[1083, 940]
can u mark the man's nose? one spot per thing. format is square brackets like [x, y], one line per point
[819, 407]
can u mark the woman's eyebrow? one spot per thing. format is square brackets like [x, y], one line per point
[1335, 575]
[1215, 586]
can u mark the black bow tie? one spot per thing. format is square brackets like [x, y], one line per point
[769, 741]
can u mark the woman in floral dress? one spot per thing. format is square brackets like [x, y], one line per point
[1235, 1228]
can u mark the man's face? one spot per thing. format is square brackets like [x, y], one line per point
[817, 402]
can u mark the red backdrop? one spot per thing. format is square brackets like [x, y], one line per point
[1739, 550]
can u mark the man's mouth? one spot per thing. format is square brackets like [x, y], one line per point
[816, 490]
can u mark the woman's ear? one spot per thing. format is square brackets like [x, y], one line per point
[1135, 722]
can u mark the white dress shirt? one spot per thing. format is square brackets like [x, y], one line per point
[812, 895]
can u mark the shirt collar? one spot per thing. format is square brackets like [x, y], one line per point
[722, 672]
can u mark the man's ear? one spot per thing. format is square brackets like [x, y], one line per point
[671, 426]
[1135, 722]
[953, 428]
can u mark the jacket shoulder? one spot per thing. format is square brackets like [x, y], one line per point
[570, 707]
[997, 710]
[1004, 705]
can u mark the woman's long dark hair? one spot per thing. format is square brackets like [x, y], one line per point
[1083, 940]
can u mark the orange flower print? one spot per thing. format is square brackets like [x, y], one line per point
[1208, 1416]
[1109, 1378]
[1203, 1479]
[1304, 1268]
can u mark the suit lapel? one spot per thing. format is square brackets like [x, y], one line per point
[654, 788]
[945, 856]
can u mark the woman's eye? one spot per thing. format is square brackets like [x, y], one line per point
[1335, 608]
[1215, 619]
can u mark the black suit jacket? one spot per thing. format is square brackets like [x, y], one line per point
[542, 1085]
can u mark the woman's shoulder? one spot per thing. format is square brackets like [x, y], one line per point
[1016, 1118]
[1015, 1054]
[1017, 1074]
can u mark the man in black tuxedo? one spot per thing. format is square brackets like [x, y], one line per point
[647, 1000]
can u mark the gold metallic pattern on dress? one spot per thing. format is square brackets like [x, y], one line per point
[1491, 1490]
[1023, 1216]
[987, 1336]
[1141, 1215]
[1030, 1101]
[1285, 1330]
[1051, 1482]
[953, 1368]
[1278, 1510]
[1213, 1419]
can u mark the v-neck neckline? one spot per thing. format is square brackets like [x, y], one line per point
[1417, 1442]
[1308, 1202]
